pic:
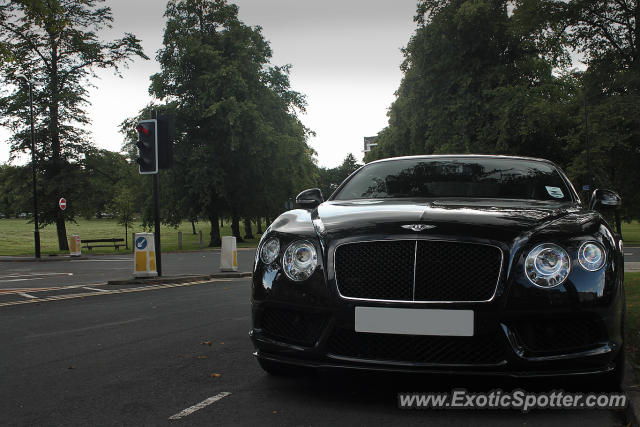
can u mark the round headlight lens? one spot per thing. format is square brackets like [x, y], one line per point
[591, 256]
[270, 250]
[547, 265]
[300, 260]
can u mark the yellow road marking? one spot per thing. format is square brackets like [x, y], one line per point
[114, 291]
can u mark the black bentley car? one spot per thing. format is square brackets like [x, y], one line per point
[450, 264]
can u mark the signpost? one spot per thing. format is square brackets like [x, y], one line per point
[155, 139]
[62, 203]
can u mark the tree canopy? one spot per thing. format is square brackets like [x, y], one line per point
[240, 148]
[495, 76]
[55, 45]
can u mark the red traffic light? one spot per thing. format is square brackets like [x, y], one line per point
[142, 129]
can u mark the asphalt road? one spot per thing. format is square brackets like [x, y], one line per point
[632, 254]
[102, 268]
[143, 357]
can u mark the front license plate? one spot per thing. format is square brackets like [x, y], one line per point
[414, 321]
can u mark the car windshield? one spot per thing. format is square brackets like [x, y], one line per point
[467, 177]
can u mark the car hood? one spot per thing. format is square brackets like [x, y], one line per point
[481, 218]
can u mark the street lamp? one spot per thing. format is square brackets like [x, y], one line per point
[36, 230]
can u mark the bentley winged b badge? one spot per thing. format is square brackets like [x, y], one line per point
[418, 227]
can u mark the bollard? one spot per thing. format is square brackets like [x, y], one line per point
[229, 254]
[144, 256]
[75, 245]
[200, 233]
[179, 240]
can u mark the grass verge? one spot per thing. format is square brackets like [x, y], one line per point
[632, 289]
[16, 236]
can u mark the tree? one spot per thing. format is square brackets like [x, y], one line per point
[122, 208]
[330, 178]
[103, 174]
[15, 191]
[240, 143]
[55, 44]
[476, 79]
[607, 33]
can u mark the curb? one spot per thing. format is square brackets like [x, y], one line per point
[43, 259]
[632, 390]
[89, 255]
[177, 279]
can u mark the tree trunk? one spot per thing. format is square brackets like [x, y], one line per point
[54, 135]
[235, 227]
[221, 223]
[215, 230]
[126, 235]
[63, 245]
[259, 225]
[193, 227]
[268, 220]
[248, 233]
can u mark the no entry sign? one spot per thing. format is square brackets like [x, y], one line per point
[62, 203]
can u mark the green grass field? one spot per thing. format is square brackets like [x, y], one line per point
[631, 233]
[16, 236]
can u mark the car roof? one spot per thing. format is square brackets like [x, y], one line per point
[461, 156]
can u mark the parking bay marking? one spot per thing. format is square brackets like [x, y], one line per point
[94, 289]
[27, 277]
[191, 409]
[108, 292]
[23, 294]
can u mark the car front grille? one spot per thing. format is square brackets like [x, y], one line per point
[417, 270]
[487, 350]
[293, 326]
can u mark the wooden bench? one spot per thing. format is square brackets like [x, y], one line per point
[113, 243]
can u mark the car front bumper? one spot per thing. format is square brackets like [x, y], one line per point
[327, 339]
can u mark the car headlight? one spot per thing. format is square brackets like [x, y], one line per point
[591, 256]
[270, 250]
[300, 260]
[547, 265]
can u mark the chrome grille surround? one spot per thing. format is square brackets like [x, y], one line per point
[415, 243]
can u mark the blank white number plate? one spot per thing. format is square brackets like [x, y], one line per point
[414, 321]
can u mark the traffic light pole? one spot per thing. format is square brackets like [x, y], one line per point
[156, 220]
[156, 210]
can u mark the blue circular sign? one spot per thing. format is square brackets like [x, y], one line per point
[141, 243]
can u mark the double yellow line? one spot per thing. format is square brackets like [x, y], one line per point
[102, 292]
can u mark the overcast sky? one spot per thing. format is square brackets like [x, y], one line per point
[345, 56]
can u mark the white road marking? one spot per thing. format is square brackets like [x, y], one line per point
[22, 294]
[94, 289]
[22, 280]
[106, 292]
[628, 253]
[190, 410]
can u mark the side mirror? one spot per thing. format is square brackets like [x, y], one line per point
[605, 199]
[309, 199]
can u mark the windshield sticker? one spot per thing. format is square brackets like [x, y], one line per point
[554, 192]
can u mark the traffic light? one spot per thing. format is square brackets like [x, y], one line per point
[165, 141]
[147, 146]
